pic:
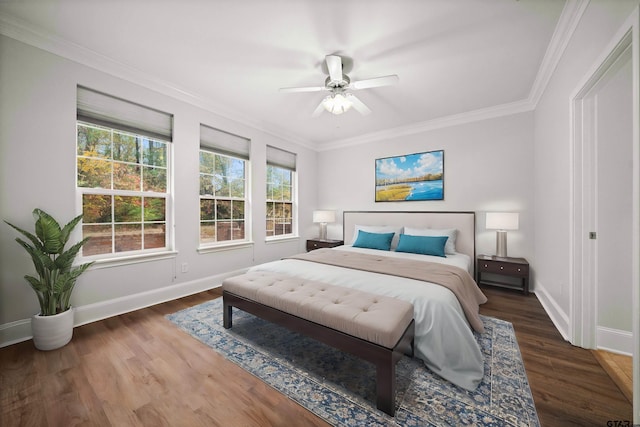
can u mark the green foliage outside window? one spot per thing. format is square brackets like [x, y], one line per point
[222, 198]
[123, 179]
[279, 201]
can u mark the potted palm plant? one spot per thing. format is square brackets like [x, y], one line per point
[56, 277]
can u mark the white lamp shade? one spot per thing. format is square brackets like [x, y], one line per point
[502, 221]
[324, 216]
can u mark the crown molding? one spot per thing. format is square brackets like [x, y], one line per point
[567, 24]
[429, 125]
[19, 30]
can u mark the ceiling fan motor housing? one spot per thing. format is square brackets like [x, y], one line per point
[337, 84]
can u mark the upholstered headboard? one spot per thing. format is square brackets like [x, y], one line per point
[464, 222]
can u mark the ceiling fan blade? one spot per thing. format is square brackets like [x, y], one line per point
[319, 109]
[375, 82]
[302, 89]
[334, 65]
[358, 105]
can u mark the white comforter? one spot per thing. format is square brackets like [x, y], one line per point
[443, 337]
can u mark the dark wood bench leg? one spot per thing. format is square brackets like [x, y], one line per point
[227, 320]
[386, 386]
[386, 370]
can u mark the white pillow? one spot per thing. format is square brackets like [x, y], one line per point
[379, 229]
[451, 233]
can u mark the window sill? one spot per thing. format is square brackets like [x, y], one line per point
[271, 240]
[224, 247]
[130, 259]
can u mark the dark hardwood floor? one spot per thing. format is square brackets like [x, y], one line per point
[569, 386]
[138, 369]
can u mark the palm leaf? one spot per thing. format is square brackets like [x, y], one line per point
[68, 228]
[28, 235]
[54, 266]
[48, 231]
[65, 292]
[67, 282]
[36, 284]
[40, 290]
[64, 261]
[41, 261]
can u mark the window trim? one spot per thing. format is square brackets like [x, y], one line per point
[281, 239]
[135, 256]
[294, 207]
[131, 259]
[225, 247]
[227, 244]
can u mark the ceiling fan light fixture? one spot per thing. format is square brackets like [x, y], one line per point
[336, 103]
[339, 86]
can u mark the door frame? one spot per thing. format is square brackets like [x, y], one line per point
[582, 330]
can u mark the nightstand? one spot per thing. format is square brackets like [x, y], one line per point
[317, 244]
[512, 273]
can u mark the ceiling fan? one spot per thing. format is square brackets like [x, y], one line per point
[340, 85]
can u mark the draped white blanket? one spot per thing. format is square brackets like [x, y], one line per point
[443, 340]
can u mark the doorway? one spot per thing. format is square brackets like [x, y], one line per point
[605, 213]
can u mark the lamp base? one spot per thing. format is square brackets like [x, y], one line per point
[323, 231]
[501, 243]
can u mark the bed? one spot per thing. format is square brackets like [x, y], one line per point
[444, 327]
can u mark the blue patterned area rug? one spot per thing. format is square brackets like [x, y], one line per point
[340, 388]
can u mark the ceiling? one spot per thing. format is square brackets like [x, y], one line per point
[453, 57]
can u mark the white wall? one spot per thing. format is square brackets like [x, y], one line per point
[37, 169]
[552, 153]
[488, 167]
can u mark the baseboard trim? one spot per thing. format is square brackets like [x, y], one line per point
[15, 332]
[559, 318]
[20, 330]
[614, 340]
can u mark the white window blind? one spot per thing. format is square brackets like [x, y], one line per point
[106, 110]
[224, 142]
[281, 158]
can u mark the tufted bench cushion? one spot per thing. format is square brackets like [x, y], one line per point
[374, 318]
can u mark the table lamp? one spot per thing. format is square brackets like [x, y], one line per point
[501, 221]
[324, 217]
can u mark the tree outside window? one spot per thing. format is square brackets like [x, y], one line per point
[279, 201]
[123, 180]
[222, 198]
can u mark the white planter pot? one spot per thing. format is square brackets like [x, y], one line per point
[51, 332]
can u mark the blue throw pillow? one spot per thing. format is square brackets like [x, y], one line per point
[425, 245]
[380, 241]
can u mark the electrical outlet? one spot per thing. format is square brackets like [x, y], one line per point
[184, 267]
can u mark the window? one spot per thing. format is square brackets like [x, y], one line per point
[281, 166]
[123, 173]
[224, 160]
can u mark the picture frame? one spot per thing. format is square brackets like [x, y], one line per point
[410, 177]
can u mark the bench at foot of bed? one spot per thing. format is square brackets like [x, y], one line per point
[375, 328]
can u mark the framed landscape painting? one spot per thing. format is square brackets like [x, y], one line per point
[417, 176]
